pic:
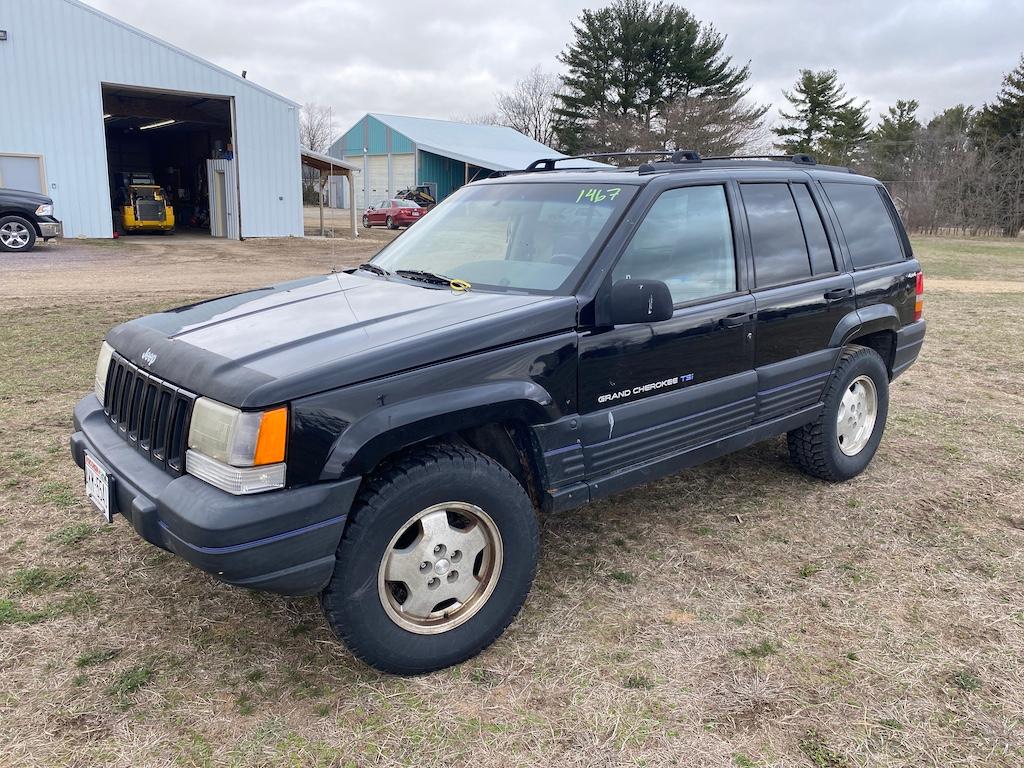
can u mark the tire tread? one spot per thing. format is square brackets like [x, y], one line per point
[373, 495]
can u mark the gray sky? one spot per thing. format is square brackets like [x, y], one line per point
[448, 57]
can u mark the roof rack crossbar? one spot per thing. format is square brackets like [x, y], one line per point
[799, 158]
[548, 163]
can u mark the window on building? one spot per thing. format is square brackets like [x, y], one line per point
[24, 172]
[685, 241]
[866, 224]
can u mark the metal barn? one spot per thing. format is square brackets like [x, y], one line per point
[396, 152]
[91, 99]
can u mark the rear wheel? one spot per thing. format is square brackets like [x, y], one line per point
[16, 234]
[843, 440]
[436, 560]
[391, 223]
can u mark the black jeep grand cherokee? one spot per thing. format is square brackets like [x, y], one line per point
[384, 437]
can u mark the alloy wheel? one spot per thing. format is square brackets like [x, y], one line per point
[855, 420]
[440, 568]
[14, 235]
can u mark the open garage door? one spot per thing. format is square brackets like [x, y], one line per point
[403, 172]
[159, 148]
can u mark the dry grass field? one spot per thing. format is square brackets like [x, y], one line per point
[738, 614]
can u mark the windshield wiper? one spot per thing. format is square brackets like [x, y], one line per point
[370, 267]
[431, 277]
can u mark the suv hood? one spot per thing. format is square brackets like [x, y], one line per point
[275, 344]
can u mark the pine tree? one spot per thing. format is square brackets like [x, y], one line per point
[846, 137]
[894, 141]
[999, 131]
[823, 122]
[635, 63]
[1005, 118]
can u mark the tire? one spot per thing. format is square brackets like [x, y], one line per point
[362, 606]
[366, 222]
[818, 448]
[391, 223]
[17, 235]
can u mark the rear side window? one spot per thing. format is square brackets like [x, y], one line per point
[814, 231]
[780, 253]
[685, 241]
[866, 224]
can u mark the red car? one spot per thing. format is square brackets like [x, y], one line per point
[393, 214]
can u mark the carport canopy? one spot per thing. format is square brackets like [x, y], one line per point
[332, 166]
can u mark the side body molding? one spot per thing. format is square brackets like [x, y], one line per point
[876, 317]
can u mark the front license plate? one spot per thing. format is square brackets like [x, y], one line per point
[97, 486]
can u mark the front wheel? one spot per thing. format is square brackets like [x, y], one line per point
[16, 234]
[842, 441]
[436, 560]
[366, 222]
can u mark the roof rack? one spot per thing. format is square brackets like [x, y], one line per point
[683, 158]
[548, 163]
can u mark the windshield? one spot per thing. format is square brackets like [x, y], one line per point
[511, 236]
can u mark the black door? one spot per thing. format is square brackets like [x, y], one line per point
[651, 389]
[800, 296]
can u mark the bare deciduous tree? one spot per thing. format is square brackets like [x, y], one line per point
[529, 106]
[482, 118]
[316, 127]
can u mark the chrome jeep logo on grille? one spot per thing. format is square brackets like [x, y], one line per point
[149, 356]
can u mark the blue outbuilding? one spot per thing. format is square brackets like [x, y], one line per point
[397, 152]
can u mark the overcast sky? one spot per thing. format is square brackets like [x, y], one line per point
[448, 57]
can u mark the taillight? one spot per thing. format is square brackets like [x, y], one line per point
[919, 293]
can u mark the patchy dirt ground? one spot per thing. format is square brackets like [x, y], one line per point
[738, 614]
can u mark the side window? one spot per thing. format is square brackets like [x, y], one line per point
[866, 224]
[685, 241]
[814, 231]
[780, 253]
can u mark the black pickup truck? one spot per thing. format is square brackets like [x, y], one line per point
[384, 437]
[24, 218]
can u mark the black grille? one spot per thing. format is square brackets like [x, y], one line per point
[149, 413]
[150, 210]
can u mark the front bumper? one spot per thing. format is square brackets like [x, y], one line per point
[281, 541]
[49, 228]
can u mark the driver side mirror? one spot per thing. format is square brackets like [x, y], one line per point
[640, 301]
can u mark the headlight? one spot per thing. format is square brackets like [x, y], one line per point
[102, 366]
[46, 209]
[237, 451]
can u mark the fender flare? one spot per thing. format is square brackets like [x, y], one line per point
[391, 428]
[877, 317]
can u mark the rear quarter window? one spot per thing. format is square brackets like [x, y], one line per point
[866, 224]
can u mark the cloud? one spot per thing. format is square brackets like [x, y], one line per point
[449, 57]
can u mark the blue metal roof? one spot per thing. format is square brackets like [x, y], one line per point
[488, 146]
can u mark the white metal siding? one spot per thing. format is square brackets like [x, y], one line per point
[230, 201]
[57, 55]
[403, 172]
[377, 178]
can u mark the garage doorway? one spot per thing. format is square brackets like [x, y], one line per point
[160, 145]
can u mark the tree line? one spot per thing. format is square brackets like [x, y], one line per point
[646, 74]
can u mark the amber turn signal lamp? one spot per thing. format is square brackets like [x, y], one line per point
[273, 435]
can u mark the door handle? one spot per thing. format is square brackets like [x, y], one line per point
[838, 293]
[734, 320]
